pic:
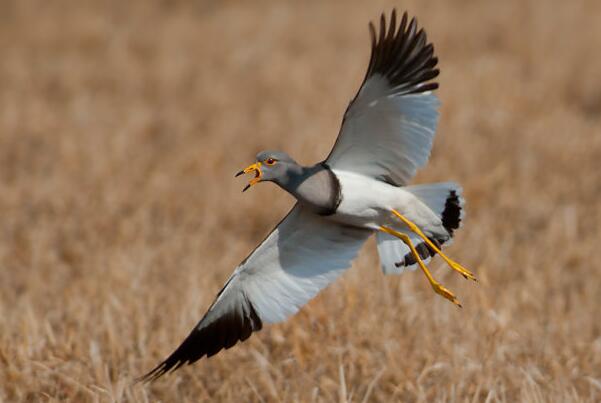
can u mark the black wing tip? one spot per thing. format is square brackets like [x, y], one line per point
[208, 340]
[190, 351]
[171, 364]
[153, 375]
[403, 55]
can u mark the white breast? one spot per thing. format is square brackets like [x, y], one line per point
[366, 202]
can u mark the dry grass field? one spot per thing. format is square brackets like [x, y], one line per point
[122, 124]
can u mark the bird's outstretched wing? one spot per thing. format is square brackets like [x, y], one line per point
[388, 129]
[301, 256]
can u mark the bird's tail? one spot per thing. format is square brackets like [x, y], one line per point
[446, 201]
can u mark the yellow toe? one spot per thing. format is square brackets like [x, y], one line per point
[446, 293]
[463, 271]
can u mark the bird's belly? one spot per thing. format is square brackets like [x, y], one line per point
[365, 203]
[364, 216]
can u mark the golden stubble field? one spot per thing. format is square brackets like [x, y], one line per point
[122, 123]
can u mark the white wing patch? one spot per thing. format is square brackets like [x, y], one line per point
[389, 127]
[302, 256]
[388, 137]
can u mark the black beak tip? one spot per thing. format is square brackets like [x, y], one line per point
[239, 173]
[246, 188]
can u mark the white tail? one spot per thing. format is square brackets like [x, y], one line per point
[445, 199]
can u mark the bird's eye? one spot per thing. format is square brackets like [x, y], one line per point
[270, 161]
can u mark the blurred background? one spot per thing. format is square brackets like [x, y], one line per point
[122, 124]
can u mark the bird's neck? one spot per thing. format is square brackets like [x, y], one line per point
[317, 187]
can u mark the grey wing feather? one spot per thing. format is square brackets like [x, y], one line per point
[389, 127]
[301, 256]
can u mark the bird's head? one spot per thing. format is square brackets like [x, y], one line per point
[275, 166]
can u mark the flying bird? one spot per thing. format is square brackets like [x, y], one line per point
[360, 189]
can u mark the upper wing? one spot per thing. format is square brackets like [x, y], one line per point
[388, 129]
[302, 255]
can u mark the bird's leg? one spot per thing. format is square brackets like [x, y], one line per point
[452, 264]
[438, 288]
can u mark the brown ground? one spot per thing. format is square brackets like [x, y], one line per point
[121, 127]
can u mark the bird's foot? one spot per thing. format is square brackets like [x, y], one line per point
[438, 288]
[446, 293]
[452, 264]
[459, 268]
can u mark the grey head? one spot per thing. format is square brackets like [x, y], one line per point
[278, 167]
[315, 186]
[272, 166]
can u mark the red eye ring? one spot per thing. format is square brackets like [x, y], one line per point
[270, 161]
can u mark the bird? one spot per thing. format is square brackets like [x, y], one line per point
[360, 189]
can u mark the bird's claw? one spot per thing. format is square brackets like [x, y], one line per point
[468, 275]
[446, 293]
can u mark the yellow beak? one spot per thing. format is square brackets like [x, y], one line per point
[256, 168]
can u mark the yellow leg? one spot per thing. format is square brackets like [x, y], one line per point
[438, 288]
[452, 264]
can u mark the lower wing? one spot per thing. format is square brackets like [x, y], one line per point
[300, 257]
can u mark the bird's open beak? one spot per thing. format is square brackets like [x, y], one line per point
[256, 168]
